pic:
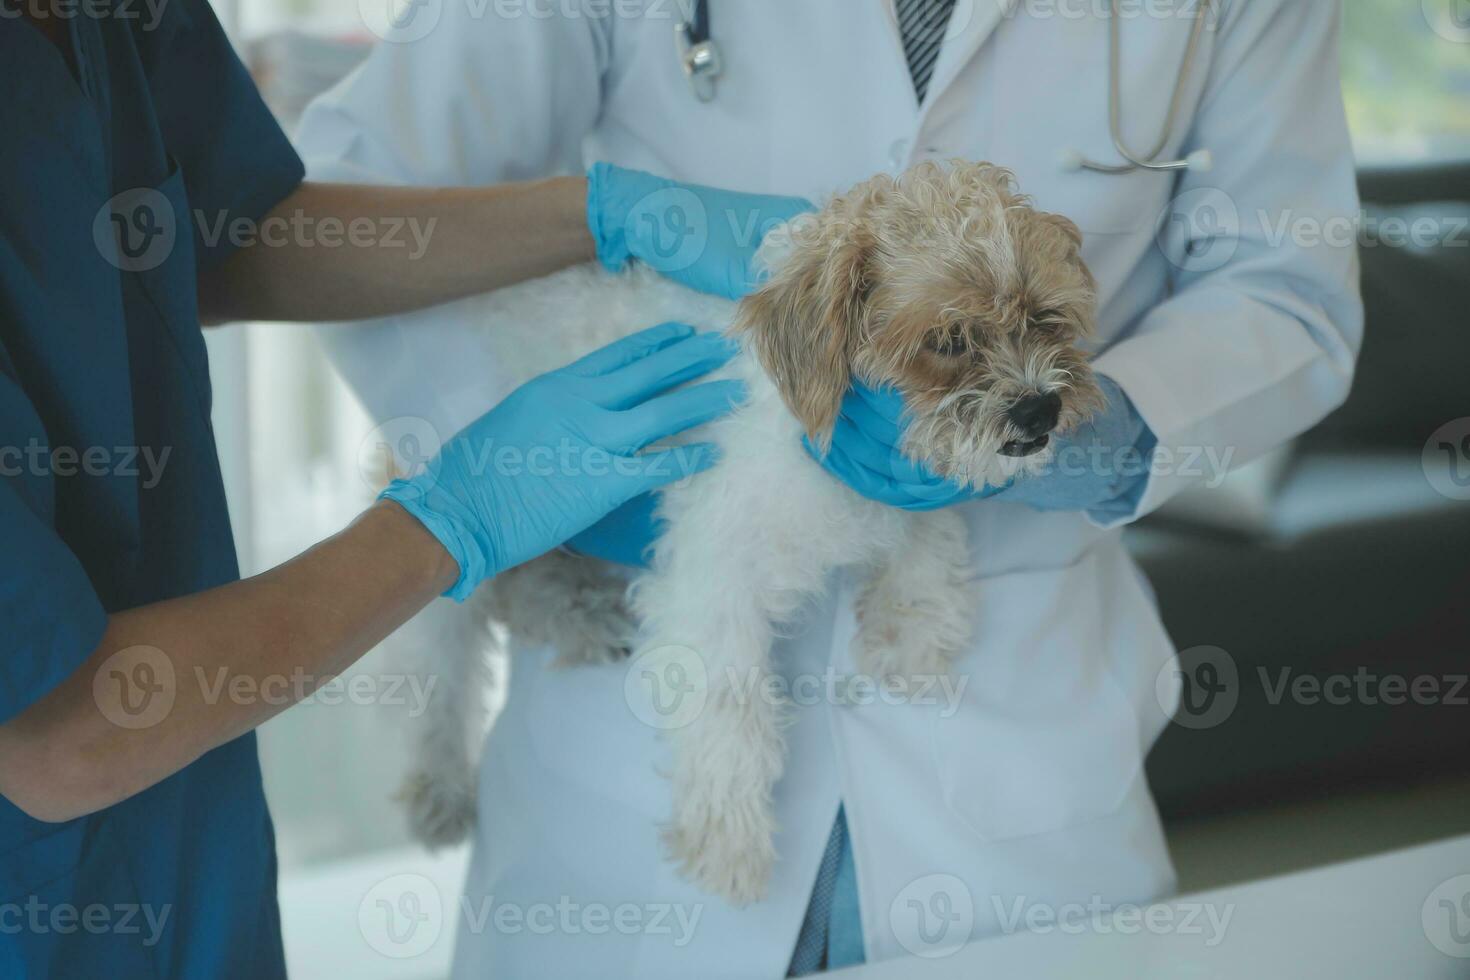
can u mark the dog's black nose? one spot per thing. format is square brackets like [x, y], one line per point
[1036, 415]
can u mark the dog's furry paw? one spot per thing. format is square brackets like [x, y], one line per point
[600, 632]
[729, 854]
[906, 640]
[574, 605]
[441, 811]
[914, 615]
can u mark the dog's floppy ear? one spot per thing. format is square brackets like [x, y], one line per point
[1065, 225]
[805, 322]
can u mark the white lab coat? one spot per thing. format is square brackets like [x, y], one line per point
[1032, 792]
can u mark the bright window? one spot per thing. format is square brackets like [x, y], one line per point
[1406, 75]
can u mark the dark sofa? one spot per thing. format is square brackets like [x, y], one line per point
[1359, 569]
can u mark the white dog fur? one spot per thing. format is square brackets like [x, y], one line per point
[753, 540]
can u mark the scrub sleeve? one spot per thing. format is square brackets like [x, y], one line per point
[135, 127]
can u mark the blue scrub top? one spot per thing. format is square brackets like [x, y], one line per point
[101, 353]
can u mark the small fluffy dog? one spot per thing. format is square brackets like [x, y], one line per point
[944, 283]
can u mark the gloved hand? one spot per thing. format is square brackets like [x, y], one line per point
[865, 455]
[1099, 467]
[701, 237]
[563, 451]
[624, 535]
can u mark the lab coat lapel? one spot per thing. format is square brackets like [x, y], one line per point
[970, 26]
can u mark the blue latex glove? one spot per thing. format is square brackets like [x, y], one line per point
[623, 536]
[702, 237]
[866, 457]
[563, 451]
[1099, 467]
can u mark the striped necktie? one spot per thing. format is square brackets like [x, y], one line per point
[921, 24]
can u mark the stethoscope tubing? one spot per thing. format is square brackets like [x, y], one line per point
[695, 32]
[1150, 160]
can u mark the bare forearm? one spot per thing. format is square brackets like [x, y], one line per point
[350, 252]
[282, 634]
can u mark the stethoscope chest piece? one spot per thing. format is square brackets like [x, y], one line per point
[698, 53]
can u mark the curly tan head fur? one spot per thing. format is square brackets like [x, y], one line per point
[948, 285]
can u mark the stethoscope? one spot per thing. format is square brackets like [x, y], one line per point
[703, 64]
[1199, 160]
[698, 52]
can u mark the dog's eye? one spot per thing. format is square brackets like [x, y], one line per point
[949, 342]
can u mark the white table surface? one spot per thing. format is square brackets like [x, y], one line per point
[1404, 915]
[346, 920]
